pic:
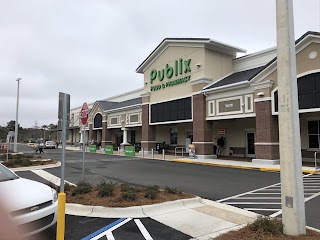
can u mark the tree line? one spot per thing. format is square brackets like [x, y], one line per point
[47, 132]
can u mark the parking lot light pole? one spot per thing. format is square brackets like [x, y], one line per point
[292, 193]
[16, 123]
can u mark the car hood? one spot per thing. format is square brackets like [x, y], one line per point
[22, 193]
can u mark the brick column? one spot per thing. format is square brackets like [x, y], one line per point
[267, 132]
[148, 132]
[90, 133]
[202, 129]
[103, 137]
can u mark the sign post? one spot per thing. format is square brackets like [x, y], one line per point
[63, 115]
[84, 113]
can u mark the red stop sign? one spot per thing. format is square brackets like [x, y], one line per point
[84, 113]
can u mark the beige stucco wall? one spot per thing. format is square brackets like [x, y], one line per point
[235, 131]
[205, 64]
[217, 65]
[169, 56]
[304, 63]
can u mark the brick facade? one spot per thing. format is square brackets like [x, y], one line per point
[267, 132]
[148, 132]
[202, 129]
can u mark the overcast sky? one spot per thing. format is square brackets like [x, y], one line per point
[90, 49]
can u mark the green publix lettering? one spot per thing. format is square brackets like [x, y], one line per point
[170, 71]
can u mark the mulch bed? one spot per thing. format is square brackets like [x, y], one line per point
[246, 233]
[116, 199]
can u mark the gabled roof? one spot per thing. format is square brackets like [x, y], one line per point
[106, 104]
[207, 42]
[236, 77]
[247, 75]
[124, 104]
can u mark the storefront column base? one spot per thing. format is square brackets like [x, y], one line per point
[199, 157]
[266, 161]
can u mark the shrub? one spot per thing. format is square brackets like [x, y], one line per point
[82, 188]
[151, 192]
[172, 190]
[124, 187]
[267, 225]
[129, 196]
[105, 189]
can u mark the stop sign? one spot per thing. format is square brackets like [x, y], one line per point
[84, 113]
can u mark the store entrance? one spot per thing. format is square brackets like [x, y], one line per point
[250, 140]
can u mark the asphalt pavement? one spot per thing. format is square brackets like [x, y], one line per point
[236, 187]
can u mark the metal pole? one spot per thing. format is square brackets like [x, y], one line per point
[163, 154]
[142, 152]
[83, 153]
[152, 154]
[16, 123]
[63, 139]
[292, 193]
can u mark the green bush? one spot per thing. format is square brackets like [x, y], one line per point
[267, 225]
[105, 189]
[82, 188]
[172, 190]
[129, 196]
[151, 192]
[127, 188]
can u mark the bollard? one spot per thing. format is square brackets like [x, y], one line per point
[118, 151]
[152, 153]
[163, 154]
[61, 216]
[142, 152]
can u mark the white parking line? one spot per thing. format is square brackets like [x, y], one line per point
[263, 209]
[109, 235]
[110, 230]
[143, 230]
[50, 177]
[242, 194]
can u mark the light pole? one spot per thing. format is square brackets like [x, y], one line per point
[16, 123]
[292, 193]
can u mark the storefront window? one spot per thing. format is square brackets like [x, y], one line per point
[314, 133]
[173, 136]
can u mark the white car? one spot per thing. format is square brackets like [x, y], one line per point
[32, 205]
[50, 144]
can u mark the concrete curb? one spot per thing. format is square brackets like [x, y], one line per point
[39, 167]
[133, 212]
[230, 208]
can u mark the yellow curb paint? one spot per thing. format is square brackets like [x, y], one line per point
[236, 167]
[215, 164]
[61, 216]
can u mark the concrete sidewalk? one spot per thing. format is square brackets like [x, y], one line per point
[213, 162]
[199, 218]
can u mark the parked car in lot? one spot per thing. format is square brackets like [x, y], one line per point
[31, 204]
[50, 144]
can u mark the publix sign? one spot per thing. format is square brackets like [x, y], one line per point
[181, 67]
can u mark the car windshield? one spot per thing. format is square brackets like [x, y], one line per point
[6, 174]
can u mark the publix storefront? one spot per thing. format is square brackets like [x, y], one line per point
[196, 90]
[173, 104]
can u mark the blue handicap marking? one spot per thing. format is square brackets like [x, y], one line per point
[96, 233]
